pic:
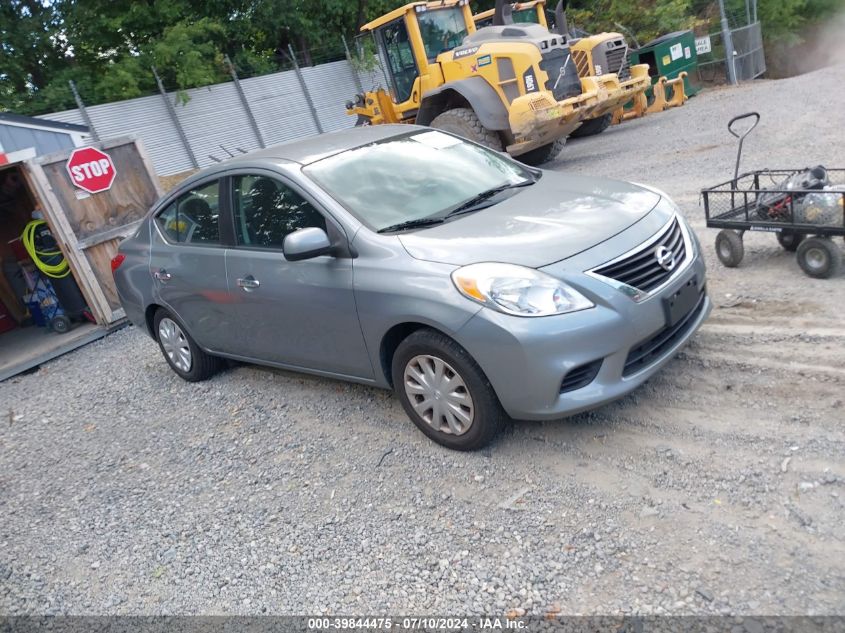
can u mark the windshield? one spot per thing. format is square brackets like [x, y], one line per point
[442, 30]
[417, 175]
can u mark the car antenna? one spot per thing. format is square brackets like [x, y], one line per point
[215, 159]
[242, 150]
[231, 155]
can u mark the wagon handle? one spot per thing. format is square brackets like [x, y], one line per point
[741, 136]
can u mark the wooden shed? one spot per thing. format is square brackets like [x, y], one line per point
[87, 226]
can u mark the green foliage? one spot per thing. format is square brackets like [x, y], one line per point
[108, 47]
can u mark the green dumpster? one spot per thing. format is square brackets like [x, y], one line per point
[668, 56]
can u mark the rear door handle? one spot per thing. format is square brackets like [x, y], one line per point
[248, 283]
[162, 275]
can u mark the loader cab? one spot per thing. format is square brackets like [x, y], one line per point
[533, 12]
[408, 41]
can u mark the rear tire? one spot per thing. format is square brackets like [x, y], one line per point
[449, 362]
[729, 248]
[174, 341]
[590, 127]
[790, 241]
[464, 122]
[819, 257]
[542, 154]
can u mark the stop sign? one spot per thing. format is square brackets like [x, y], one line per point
[91, 170]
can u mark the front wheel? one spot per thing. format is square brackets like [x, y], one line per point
[591, 127]
[542, 154]
[181, 351]
[819, 257]
[464, 122]
[729, 248]
[445, 392]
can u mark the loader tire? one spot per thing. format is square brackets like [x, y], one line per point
[591, 127]
[542, 154]
[464, 122]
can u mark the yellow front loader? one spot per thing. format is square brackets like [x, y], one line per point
[508, 86]
[596, 55]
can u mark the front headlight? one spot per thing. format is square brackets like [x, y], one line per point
[518, 290]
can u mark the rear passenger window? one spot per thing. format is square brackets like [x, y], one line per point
[194, 218]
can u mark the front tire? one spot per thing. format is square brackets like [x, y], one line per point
[819, 257]
[729, 248]
[445, 392]
[542, 154]
[464, 122]
[181, 351]
[592, 127]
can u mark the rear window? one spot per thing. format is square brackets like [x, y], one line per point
[194, 217]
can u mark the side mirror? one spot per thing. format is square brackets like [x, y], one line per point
[305, 244]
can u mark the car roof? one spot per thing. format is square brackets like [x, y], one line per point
[308, 150]
[302, 151]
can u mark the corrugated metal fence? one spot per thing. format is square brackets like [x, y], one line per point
[216, 116]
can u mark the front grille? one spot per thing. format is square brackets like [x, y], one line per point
[641, 268]
[581, 376]
[563, 81]
[617, 62]
[653, 349]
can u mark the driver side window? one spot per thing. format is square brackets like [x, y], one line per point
[400, 57]
[266, 211]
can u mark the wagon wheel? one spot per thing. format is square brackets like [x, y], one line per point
[789, 240]
[819, 257]
[729, 248]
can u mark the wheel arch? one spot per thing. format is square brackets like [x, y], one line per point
[393, 337]
[472, 92]
[149, 318]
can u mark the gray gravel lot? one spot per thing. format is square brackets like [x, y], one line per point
[716, 488]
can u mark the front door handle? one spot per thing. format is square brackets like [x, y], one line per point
[249, 283]
[162, 275]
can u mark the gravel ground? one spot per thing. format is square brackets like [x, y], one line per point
[716, 488]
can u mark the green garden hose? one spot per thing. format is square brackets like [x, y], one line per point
[56, 271]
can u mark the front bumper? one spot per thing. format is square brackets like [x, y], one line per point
[536, 119]
[527, 359]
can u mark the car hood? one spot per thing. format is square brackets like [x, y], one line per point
[555, 218]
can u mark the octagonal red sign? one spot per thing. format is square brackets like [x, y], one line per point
[91, 169]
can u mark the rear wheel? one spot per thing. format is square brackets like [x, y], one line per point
[445, 392]
[819, 257]
[464, 122]
[181, 351]
[591, 127]
[790, 241]
[542, 154]
[729, 248]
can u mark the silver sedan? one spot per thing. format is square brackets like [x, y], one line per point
[477, 288]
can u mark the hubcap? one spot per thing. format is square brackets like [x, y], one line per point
[175, 344]
[724, 249]
[439, 395]
[815, 258]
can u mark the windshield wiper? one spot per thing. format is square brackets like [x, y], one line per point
[411, 224]
[473, 203]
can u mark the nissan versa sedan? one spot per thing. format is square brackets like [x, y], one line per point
[477, 288]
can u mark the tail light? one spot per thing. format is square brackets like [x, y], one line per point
[116, 261]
